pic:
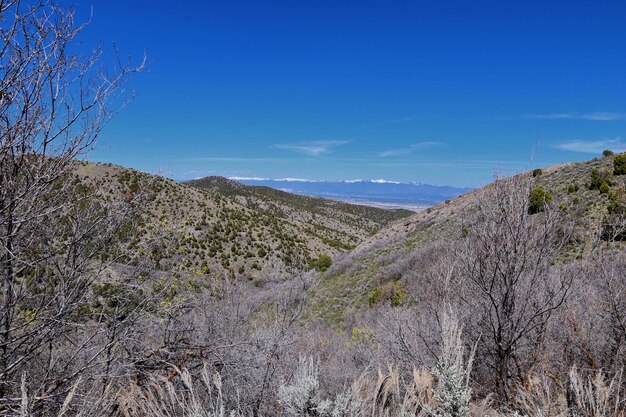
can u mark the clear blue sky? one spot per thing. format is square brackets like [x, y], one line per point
[433, 91]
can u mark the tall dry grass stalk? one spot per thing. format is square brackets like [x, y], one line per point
[595, 396]
[75, 404]
[419, 393]
[543, 399]
[163, 398]
[379, 394]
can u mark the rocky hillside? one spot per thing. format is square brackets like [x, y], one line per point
[219, 227]
[396, 258]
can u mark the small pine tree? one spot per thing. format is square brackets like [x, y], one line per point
[607, 152]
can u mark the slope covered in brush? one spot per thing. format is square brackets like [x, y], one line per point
[388, 267]
[345, 217]
[217, 227]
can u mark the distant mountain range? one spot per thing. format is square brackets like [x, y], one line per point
[376, 192]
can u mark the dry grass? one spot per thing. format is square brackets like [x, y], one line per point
[188, 398]
[595, 396]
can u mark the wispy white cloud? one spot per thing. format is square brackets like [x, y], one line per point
[595, 116]
[410, 149]
[591, 146]
[312, 148]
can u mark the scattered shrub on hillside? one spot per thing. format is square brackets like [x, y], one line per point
[573, 187]
[539, 198]
[617, 202]
[389, 292]
[322, 263]
[537, 172]
[359, 336]
[614, 227]
[607, 153]
[604, 188]
[373, 297]
[619, 164]
[598, 178]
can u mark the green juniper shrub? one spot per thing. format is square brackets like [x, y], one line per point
[607, 153]
[322, 263]
[573, 187]
[539, 198]
[604, 188]
[537, 172]
[619, 164]
[373, 297]
[617, 202]
[598, 178]
[612, 228]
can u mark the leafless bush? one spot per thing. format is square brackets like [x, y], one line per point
[510, 285]
[53, 234]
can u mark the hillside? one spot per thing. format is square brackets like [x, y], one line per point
[393, 261]
[342, 217]
[218, 227]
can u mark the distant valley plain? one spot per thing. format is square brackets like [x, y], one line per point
[377, 193]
